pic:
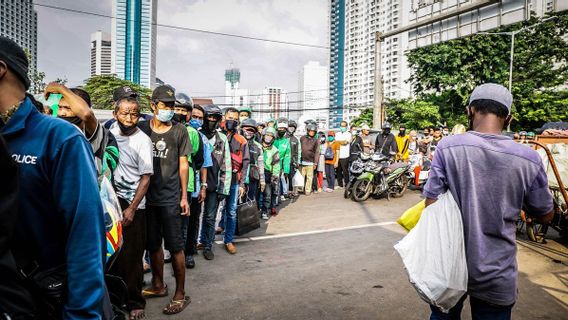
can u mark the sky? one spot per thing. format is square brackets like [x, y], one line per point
[195, 62]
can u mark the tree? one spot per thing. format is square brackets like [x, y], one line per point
[414, 114]
[446, 73]
[101, 88]
[366, 116]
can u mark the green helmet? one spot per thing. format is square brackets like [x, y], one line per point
[269, 131]
[245, 109]
[270, 120]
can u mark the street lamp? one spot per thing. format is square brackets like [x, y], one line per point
[513, 34]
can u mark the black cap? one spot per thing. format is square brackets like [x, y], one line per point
[15, 58]
[164, 93]
[123, 92]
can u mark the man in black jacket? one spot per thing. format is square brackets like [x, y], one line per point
[295, 156]
[386, 142]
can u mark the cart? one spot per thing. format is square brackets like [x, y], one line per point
[535, 230]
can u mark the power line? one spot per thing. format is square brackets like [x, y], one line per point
[258, 95]
[187, 28]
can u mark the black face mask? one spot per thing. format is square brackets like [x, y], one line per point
[231, 125]
[281, 133]
[210, 126]
[74, 120]
[126, 130]
[401, 133]
[386, 132]
[178, 117]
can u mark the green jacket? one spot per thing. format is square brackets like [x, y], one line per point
[195, 141]
[271, 160]
[285, 151]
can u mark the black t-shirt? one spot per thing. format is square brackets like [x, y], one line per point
[168, 147]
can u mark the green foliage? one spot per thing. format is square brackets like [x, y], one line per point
[366, 116]
[414, 114]
[101, 88]
[446, 73]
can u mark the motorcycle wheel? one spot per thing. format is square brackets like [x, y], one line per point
[401, 186]
[361, 190]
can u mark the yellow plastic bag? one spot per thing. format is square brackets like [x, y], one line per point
[411, 216]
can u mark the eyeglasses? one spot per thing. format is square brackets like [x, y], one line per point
[132, 115]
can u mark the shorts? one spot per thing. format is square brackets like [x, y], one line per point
[164, 222]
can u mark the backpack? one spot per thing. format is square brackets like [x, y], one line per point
[329, 155]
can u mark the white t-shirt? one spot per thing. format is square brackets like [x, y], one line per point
[343, 149]
[135, 160]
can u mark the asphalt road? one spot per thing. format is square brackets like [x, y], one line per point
[324, 257]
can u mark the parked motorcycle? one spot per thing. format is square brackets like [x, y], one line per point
[355, 170]
[419, 170]
[381, 177]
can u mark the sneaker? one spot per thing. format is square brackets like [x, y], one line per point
[167, 256]
[200, 246]
[230, 247]
[338, 187]
[264, 215]
[328, 190]
[189, 262]
[319, 190]
[273, 212]
[219, 230]
[282, 198]
[208, 254]
[147, 268]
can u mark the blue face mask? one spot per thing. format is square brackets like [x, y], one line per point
[343, 129]
[165, 115]
[195, 124]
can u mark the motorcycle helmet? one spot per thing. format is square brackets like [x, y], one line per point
[311, 126]
[183, 100]
[292, 123]
[249, 123]
[386, 126]
[214, 111]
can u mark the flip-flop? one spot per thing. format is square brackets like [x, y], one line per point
[149, 293]
[138, 316]
[176, 306]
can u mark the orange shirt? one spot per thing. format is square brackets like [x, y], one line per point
[335, 147]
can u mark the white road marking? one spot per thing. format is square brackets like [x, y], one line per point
[297, 234]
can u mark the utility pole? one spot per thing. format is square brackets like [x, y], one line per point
[378, 101]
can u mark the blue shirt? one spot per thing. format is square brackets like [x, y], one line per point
[492, 178]
[207, 163]
[60, 213]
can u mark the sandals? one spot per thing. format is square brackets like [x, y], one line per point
[138, 314]
[176, 306]
[149, 293]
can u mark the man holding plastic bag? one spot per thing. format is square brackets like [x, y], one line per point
[491, 179]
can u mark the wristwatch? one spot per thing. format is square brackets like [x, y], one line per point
[204, 185]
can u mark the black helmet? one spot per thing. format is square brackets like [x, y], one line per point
[386, 125]
[292, 123]
[250, 123]
[213, 110]
[311, 126]
[183, 100]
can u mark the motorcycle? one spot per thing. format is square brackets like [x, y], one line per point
[355, 170]
[381, 177]
[419, 170]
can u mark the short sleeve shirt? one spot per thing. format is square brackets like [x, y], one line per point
[168, 147]
[343, 149]
[492, 178]
[135, 160]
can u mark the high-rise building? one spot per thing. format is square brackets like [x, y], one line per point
[101, 53]
[336, 61]
[313, 92]
[134, 40]
[273, 103]
[234, 95]
[408, 24]
[18, 21]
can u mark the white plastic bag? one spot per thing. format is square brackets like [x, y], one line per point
[298, 180]
[433, 254]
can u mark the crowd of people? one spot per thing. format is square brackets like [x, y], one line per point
[174, 174]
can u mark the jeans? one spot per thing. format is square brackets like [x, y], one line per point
[330, 175]
[308, 173]
[191, 226]
[270, 193]
[208, 220]
[480, 310]
[229, 218]
[252, 190]
[343, 172]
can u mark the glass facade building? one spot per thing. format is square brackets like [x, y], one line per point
[134, 40]
[336, 62]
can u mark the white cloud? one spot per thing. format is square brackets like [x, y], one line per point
[195, 62]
